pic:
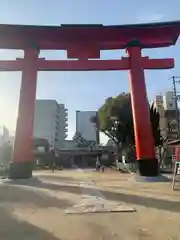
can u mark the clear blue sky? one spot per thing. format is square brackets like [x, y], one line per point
[83, 90]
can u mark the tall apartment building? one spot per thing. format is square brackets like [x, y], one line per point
[166, 107]
[169, 102]
[50, 122]
[4, 135]
[85, 127]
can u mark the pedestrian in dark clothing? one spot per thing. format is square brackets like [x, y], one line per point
[98, 165]
[53, 163]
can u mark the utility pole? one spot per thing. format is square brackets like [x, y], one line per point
[176, 97]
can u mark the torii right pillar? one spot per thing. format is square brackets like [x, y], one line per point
[145, 150]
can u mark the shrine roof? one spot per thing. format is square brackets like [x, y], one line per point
[151, 35]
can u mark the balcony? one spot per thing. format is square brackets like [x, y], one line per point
[174, 130]
[57, 122]
[172, 135]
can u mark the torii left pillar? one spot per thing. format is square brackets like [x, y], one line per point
[22, 158]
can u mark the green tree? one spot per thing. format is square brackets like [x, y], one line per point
[161, 142]
[115, 120]
[83, 143]
[154, 117]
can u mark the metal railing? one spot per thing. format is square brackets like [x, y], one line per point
[176, 158]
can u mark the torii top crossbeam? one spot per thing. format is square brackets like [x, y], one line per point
[88, 38]
[84, 42]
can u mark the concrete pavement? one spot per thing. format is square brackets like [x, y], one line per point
[36, 208]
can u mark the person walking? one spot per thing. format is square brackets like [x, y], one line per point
[97, 165]
[53, 163]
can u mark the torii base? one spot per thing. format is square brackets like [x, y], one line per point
[148, 167]
[20, 170]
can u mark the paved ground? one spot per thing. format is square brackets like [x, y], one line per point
[37, 209]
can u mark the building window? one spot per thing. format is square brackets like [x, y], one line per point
[172, 135]
[173, 126]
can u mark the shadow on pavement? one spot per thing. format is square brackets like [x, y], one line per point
[13, 229]
[143, 201]
[123, 197]
[115, 196]
[18, 194]
[147, 191]
[58, 178]
[35, 182]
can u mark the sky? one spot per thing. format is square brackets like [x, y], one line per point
[83, 90]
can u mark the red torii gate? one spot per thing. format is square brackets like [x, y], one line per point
[84, 42]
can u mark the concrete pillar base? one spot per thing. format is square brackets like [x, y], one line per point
[148, 167]
[20, 170]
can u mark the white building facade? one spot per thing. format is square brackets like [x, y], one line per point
[165, 105]
[169, 101]
[85, 127]
[50, 122]
[4, 135]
